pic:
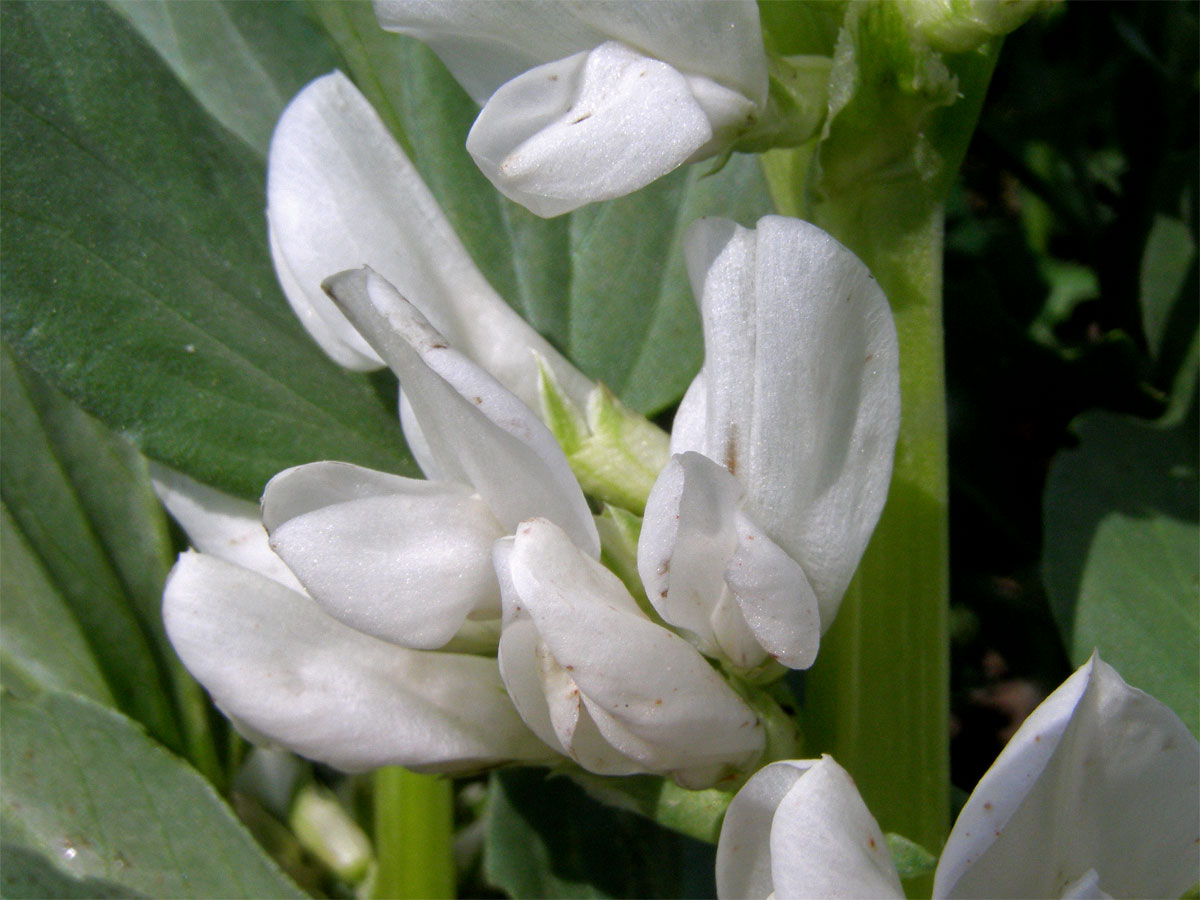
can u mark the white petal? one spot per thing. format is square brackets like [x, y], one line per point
[398, 558]
[800, 829]
[711, 571]
[418, 445]
[689, 429]
[744, 848]
[219, 524]
[342, 194]
[272, 660]
[825, 843]
[487, 44]
[1100, 777]
[802, 388]
[593, 126]
[652, 696]
[320, 317]
[688, 536]
[476, 431]
[774, 597]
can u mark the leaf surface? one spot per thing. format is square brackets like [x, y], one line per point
[93, 807]
[1122, 558]
[137, 275]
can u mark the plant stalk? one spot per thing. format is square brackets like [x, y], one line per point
[414, 831]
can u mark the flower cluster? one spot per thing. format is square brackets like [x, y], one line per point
[469, 619]
[465, 619]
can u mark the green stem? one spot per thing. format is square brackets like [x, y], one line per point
[414, 829]
[878, 697]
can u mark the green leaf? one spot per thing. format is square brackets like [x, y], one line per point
[73, 508]
[242, 61]
[107, 810]
[41, 643]
[137, 274]
[1122, 562]
[1170, 252]
[607, 284]
[545, 837]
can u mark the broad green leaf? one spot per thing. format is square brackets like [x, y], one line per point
[546, 838]
[606, 284]
[86, 552]
[41, 643]
[242, 61]
[137, 275]
[1122, 558]
[95, 551]
[102, 805]
[27, 874]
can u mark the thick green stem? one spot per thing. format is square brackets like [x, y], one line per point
[414, 830]
[877, 699]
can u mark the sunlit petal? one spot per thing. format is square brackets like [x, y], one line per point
[402, 559]
[1100, 777]
[272, 660]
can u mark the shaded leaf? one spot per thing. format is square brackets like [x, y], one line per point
[142, 284]
[105, 808]
[1170, 252]
[243, 62]
[1122, 558]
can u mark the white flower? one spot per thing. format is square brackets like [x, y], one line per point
[288, 674]
[342, 194]
[409, 560]
[1096, 795]
[596, 678]
[782, 446]
[590, 101]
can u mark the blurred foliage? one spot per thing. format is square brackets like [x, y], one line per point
[1070, 286]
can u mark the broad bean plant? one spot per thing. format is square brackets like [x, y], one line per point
[442, 435]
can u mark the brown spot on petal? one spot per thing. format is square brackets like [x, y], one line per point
[871, 841]
[987, 806]
[731, 450]
[478, 401]
[586, 115]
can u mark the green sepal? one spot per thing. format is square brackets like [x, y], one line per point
[776, 710]
[796, 104]
[619, 532]
[911, 859]
[615, 453]
[959, 26]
